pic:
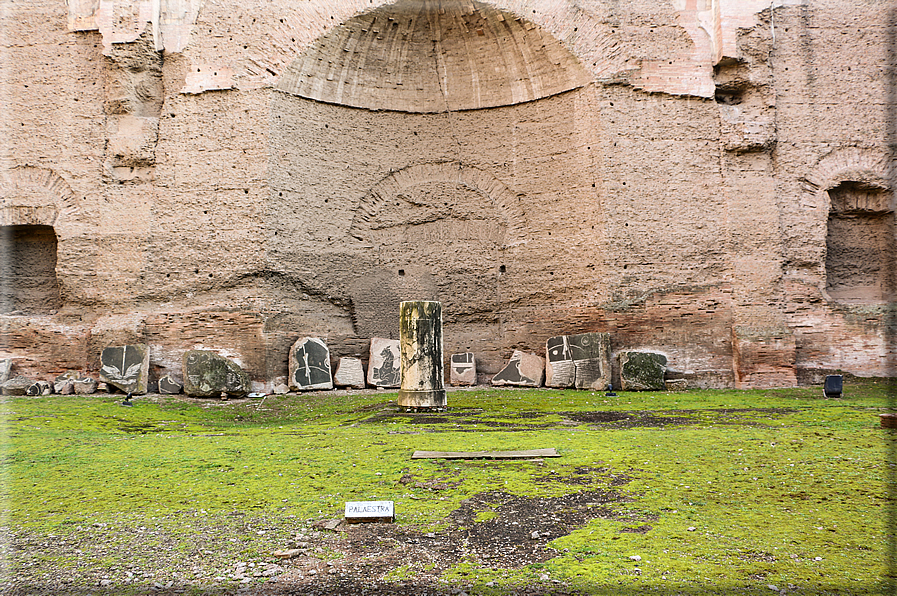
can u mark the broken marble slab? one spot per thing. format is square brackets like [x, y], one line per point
[39, 388]
[642, 371]
[581, 361]
[310, 365]
[463, 369]
[5, 369]
[349, 373]
[126, 367]
[169, 386]
[84, 385]
[523, 370]
[206, 374]
[16, 386]
[66, 378]
[384, 366]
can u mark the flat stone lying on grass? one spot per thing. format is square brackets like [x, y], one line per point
[206, 374]
[676, 384]
[17, 386]
[642, 371]
[349, 373]
[522, 370]
[126, 367]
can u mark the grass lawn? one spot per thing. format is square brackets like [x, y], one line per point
[763, 491]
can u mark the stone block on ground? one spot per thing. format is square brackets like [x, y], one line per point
[40, 388]
[310, 365]
[85, 385]
[16, 386]
[642, 371]
[126, 367]
[676, 384]
[349, 373]
[581, 361]
[522, 370]
[169, 386]
[206, 374]
[384, 366]
[463, 369]
[280, 389]
[5, 369]
[66, 378]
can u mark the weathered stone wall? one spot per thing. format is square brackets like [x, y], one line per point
[674, 173]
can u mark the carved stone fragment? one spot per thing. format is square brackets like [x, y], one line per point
[310, 365]
[169, 386]
[349, 373]
[642, 371]
[524, 370]
[384, 366]
[17, 386]
[581, 361]
[206, 374]
[463, 369]
[126, 367]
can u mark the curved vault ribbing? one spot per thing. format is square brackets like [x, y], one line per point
[433, 56]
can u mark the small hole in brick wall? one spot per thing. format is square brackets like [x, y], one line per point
[401, 272]
[551, 273]
[168, 275]
[549, 233]
[280, 194]
[205, 212]
[626, 224]
[625, 266]
[245, 191]
[196, 271]
[593, 185]
[210, 275]
[624, 184]
[502, 269]
[326, 126]
[326, 200]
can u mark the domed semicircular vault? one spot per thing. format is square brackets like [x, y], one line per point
[434, 56]
[410, 146]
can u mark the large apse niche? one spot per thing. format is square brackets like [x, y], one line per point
[859, 243]
[408, 144]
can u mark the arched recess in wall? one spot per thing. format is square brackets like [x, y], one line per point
[850, 186]
[31, 202]
[370, 128]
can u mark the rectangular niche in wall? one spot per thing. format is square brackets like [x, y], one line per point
[28, 270]
[859, 243]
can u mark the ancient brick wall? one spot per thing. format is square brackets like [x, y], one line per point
[685, 175]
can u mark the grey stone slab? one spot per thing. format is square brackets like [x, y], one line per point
[66, 378]
[349, 373]
[581, 361]
[85, 385]
[5, 369]
[126, 367]
[16, 386]
[169, 386]
[384, 366]
[206, 374]
[310, 365]
[522, 370]
[642, 371]
[463, 369]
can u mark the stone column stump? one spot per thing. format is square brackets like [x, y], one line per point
[420, 334]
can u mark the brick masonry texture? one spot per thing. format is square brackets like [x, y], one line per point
[706, 179]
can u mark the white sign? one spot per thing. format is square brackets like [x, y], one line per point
[360, 511]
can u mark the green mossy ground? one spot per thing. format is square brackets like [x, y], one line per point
[718, 490]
